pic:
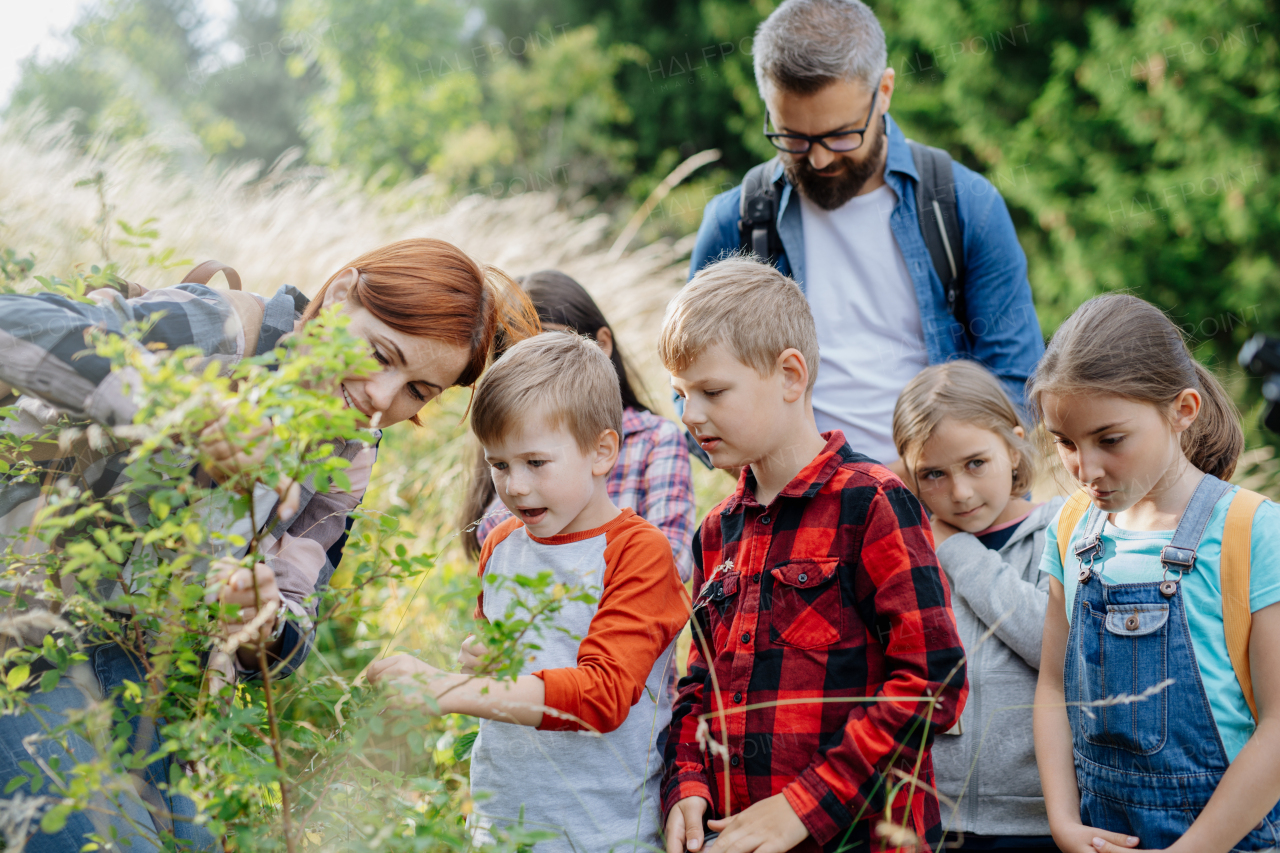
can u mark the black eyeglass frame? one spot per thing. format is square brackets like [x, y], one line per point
[861, 132]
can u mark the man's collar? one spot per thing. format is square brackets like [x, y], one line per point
[899, 159]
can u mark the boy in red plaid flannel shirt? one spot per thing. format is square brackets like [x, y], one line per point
[825, 654]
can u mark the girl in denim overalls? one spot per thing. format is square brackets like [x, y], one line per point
[1143, 734]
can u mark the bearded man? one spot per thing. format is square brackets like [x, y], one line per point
[846, 226]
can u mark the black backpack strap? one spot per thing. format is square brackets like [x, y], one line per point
[758, 213]
[940, 222]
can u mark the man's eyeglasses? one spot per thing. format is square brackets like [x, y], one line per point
[839, 143]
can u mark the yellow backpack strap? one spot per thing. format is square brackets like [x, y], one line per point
[1236, 616]
[1072, 511]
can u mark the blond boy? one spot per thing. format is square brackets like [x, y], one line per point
[818, 595]
[548, 415]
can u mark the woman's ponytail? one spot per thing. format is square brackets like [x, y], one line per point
[1215, 440]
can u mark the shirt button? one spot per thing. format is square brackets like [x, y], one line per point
[737, 697]
[803, 577]
[746, 638]
[755, 578]
[764, 519]
[734, 760]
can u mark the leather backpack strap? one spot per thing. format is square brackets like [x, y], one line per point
[1237, 618]
[207, 270]
[1072, 511]
[250, 310]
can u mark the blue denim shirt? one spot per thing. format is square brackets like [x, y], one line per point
[1005, 332]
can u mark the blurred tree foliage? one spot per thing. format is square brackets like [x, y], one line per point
[152, 67]
[1134, 143]
[416, 87]
[1132, 140]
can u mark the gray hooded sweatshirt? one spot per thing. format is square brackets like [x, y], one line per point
[987, 773]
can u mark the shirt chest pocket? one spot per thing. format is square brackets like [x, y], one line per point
[805, 610]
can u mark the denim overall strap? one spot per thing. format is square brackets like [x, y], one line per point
[1180, 554]
[1147, 751]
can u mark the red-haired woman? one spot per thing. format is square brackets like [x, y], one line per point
[430, 315]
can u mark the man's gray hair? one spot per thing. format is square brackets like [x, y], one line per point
[807, 44]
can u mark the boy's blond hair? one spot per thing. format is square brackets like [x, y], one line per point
[746, 306]
[562, 376]
[966, 392]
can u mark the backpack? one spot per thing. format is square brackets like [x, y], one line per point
[1234, 571]
[248, 308]
[935, 208]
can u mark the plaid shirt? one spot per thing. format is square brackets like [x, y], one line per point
[831, 592]
[652, 476]
[44, 354]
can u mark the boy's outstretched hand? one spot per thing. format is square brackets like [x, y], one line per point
[472, 656]
[684, 825]
[769, 826]
[416, 680]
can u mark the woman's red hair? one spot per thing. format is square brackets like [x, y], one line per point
[432, 289]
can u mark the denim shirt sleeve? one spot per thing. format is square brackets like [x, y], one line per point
[1005, 331]
[718, 232]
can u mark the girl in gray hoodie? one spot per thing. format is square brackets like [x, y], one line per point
[966, 455]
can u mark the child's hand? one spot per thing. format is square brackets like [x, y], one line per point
[472, 655]
[769, 826]
[415, 680]
[1086, 839]
[684, 825]
[941, 530]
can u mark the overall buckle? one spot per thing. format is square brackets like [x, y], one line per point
[1180, 560]
[1092, 549]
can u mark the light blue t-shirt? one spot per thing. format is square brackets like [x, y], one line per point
[1133, 556]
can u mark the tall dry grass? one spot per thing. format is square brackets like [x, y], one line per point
[299, 225]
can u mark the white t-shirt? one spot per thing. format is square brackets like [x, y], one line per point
[870, 336]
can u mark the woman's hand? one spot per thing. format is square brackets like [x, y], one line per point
[472, 655]
[253, 625]
[229, 463]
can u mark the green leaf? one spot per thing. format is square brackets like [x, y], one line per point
[17, 675]
[462, 746]
[14, 784]
[55, 819]
[49, 680]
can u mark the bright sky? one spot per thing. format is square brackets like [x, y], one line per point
[41, 26]
[28, 27]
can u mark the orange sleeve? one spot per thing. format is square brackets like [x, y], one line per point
[642, 608]
[493, 540]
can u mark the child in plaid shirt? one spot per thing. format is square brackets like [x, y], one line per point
[825, 654]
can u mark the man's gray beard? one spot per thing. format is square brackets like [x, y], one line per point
[829, 193]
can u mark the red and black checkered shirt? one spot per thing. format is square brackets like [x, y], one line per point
[812, 614]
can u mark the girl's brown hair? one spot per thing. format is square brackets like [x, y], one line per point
[966, 392]
[432, 289]
[1119, 344]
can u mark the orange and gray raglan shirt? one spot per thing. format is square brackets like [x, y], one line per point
[590, 772]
